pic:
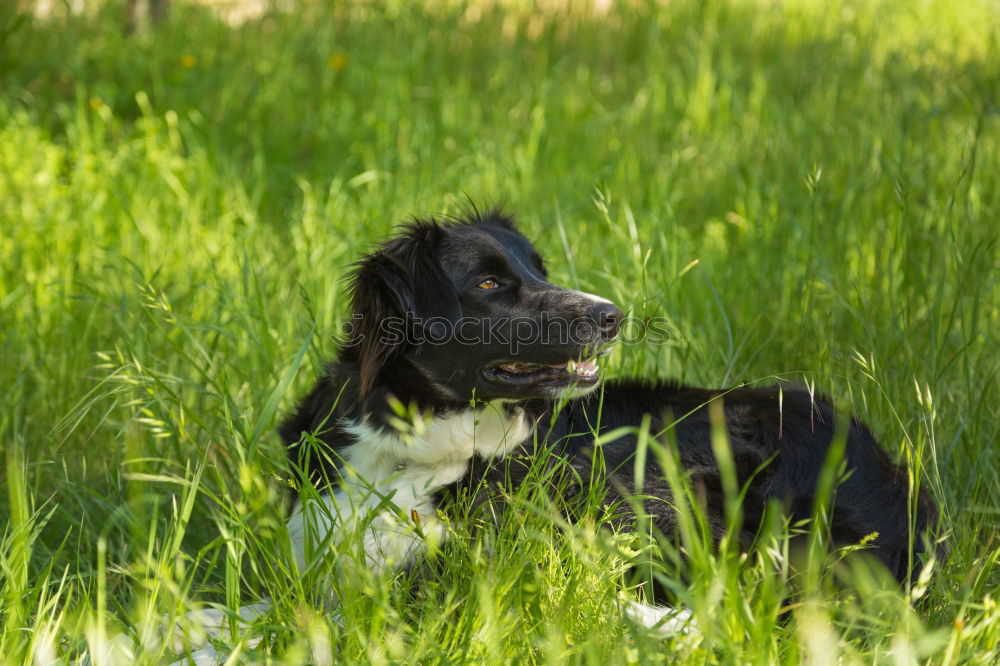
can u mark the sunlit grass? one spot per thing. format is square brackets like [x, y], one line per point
[808, 190]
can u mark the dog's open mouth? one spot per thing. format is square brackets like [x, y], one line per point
[517, 372]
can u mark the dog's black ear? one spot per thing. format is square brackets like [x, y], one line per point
[395, 290]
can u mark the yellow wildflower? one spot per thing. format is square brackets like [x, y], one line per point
[338, 61]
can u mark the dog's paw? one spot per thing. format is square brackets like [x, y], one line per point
[201, 627]
[665, 621]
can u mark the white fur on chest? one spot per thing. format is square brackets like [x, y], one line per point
[406, 470]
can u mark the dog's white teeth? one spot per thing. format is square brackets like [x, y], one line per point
[582, 368]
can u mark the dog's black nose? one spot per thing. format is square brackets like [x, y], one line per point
[608, 317]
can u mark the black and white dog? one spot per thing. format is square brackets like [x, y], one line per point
[435, 311]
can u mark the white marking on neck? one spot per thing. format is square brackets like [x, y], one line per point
[407, 470]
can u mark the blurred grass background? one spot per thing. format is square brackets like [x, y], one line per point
[806, 189]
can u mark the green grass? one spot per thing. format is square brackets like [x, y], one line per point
[808, 190]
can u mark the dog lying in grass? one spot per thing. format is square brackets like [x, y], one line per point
[464, 363]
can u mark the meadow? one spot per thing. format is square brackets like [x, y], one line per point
[808, 190]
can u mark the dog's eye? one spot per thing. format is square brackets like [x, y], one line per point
[488, 283]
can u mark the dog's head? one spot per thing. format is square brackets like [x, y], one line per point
[468, 307]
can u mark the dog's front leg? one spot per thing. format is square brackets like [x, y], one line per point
[394, 521]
